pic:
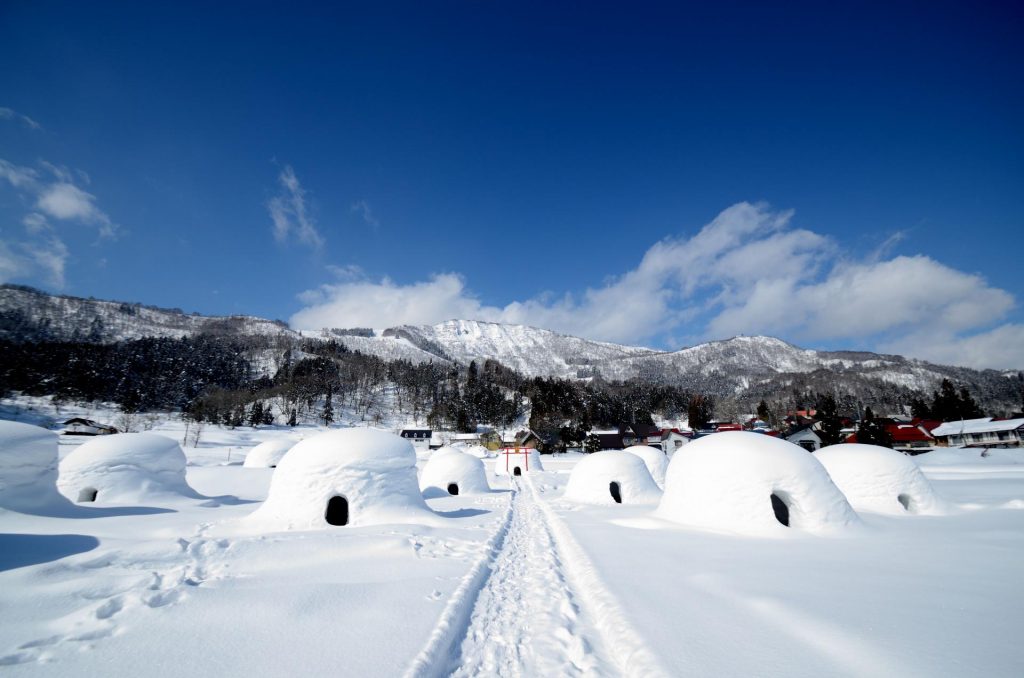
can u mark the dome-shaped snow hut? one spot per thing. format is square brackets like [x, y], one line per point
[512, 463]
[268, 453]
[453, 473]
[878, 479]
[28, 468]
[612, 477]
[750, 483]
[124, 468]
[357, 476]
[654, 459]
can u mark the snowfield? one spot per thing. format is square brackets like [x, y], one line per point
[515, 580]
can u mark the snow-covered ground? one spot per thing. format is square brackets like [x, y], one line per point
[517, 581]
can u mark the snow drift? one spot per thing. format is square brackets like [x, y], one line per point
[345, 477]
[654, 459]
[750, 483]
[612, 477]
[124, 468]
[527, 461]
[268, 454]
[879, 479]
[28, 468]
[453, 472]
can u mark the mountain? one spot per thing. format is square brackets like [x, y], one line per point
[745, 367]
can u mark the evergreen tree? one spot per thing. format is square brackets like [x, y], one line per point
[268, 416]
[292, 418]
[592, 444]
[871, 431]
[327, 415]
[762, 411]
[828, 417]
[699, 411]
[919, 408]
[256, 414]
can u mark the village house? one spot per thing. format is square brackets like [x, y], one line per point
[805, 437]
[86, 427]
[418, 436]
[984, 432]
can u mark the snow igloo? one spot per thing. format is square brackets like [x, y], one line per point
[612, 477]
[268, 453]
[28, 468]
[654, 459]
[753, 484]
[451, 472]
[357, 476]
[881, 480]
[512, 464]
[124, 468]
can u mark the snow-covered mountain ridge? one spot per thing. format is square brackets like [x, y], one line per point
[740, 365]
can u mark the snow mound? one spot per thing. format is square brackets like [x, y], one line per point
[654, 459]
[453, 473]
[268, 454]
[612, 477]
[124, 468]
[879, 479]
[526, 461]
[478, 451]
[749, 483]
[357, 476]
[28, 468]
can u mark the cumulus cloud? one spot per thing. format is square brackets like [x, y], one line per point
[11, 114]
[43, 258]
[749, 271]
[52, 193]
[288, 212]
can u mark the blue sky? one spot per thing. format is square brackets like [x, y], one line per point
[841, 177]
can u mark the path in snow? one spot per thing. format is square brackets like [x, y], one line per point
[527, 621]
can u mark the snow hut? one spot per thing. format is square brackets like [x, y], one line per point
[750, 483]
[356, 476]
[878, 479]
[28, 468]
[453, 472]
[513, 461]
[612, 477]
[654, 459]
[124, 468]
[268, 453]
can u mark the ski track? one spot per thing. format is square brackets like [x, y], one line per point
[533, 606]
[527, 621]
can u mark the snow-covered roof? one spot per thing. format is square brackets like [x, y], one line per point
[983, 425]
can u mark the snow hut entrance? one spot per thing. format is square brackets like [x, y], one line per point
[517, 471]
[337, 511]
[906, 502]
[781, 509]
[614, 489]
[453, 488]
[88, 494]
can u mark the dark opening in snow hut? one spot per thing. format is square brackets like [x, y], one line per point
[453, 488]
[781, 509]
[337, 511]
[614, 489]
[87, 494]
[517, 471]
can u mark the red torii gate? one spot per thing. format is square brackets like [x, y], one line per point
[525, 451]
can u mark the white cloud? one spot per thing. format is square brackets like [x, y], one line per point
[747, 272]
[10, 114]
[44, 258]
[362, 208]
[42, 254]
[288, 212]
[59, 199]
